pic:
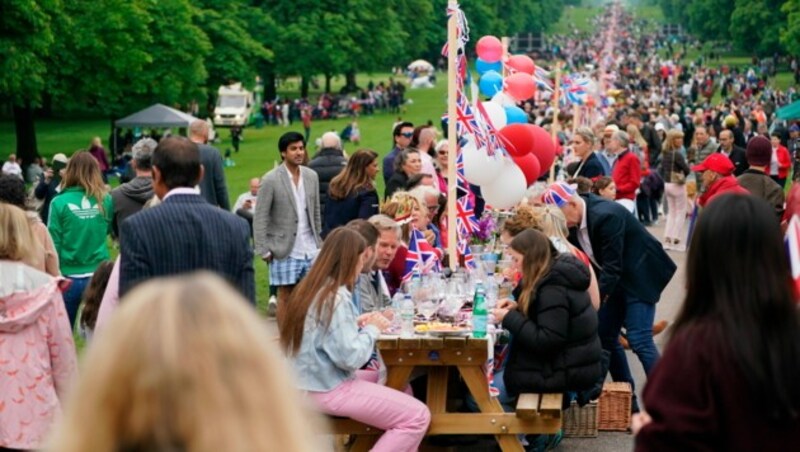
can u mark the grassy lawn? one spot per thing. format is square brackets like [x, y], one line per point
[576, 17]
[259, 150]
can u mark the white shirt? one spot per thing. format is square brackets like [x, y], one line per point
[244, 197]
[773, 164]
[305, 246]
[181, 191]
[13, 169]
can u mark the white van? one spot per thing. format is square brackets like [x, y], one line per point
[234, 106]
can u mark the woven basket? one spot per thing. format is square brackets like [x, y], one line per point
[581, 421]
[615, 407]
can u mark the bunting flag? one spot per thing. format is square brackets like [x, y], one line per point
[462, 186]
[575, 91]
[421, 256]
[792, 241]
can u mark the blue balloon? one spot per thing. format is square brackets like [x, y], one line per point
[491, 83]
[515, 115]
[482, 66]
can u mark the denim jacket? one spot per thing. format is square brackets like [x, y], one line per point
[328, 357]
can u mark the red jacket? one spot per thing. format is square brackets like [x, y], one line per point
[627, 175]
[784, 162]
[727, 184]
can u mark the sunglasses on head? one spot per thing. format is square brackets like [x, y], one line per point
[407, 134]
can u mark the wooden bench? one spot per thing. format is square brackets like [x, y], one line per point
[535, 413]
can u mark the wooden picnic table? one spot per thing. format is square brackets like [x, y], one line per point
[540, 414]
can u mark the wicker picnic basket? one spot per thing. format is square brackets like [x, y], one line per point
[581, 421]
[615, 407]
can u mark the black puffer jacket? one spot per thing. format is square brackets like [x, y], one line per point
[328, 163]
[556, 347]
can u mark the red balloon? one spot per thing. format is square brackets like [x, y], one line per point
[530, 167]
[489, 49]
[521, 63]
[543, 147]
[518, 139]
[520, 86]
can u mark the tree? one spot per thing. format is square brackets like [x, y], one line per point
[26, 38]
[709, 20]
[790, 33]
[755, 25]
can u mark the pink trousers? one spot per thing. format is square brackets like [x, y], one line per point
[404, 418]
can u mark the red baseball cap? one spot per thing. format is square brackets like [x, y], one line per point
[717, 163]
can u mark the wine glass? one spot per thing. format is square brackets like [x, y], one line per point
[427, 307]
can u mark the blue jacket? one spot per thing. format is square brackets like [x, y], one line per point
[593, 167]
[627, 255]
[361, 204]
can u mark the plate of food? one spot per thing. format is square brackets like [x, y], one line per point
[442, 329]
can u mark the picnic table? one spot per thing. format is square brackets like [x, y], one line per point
[536, 413]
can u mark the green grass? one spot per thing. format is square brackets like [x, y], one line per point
[578, 17]
[259, 150]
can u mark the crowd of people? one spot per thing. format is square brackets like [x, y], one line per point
[200, 371]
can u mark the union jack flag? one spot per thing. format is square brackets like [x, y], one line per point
[420, 257]
[465, 217]
[462, 186]
[464, 250]
[465, 120]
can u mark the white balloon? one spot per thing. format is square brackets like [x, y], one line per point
[496, 114]
[478, 167]
[504, 100]
[508, 187]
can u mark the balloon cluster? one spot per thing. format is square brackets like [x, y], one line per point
[530, 148]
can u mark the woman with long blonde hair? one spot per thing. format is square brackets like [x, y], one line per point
[79, 221]
[674, 170]
[185, 364]
[38, 355]
[327, 341]
[352, 194]
[554, 346]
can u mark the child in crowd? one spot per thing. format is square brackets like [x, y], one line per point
[92, 298]
[604, 187]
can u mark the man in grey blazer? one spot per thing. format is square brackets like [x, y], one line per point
[212, 186]
[287, 223]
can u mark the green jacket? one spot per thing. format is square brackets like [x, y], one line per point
[79, 230]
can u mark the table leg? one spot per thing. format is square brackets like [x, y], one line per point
[475, 379]
[397, 376]
[437, 389]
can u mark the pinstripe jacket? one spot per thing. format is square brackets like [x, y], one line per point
[275, 220]
[184, 234]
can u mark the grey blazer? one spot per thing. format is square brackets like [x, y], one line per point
[276, 217]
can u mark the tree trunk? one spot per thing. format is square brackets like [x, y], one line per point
[304, 86]
[26, 133]
[47, 106]
[350, 82]
[328, 78]
[269, 83]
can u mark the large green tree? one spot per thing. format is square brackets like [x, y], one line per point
[790, 34]
[26, 37]
[756, 24]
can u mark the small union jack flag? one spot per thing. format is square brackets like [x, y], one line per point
[462, 186]
[420, 256]
[465, 219]
[464, 250]
[465, 118]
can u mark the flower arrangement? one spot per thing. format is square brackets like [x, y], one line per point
[486, 231]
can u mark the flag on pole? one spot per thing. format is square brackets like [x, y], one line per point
[466, 221]
[466, 253]
[421, 256]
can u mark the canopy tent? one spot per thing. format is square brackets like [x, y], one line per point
[157, 115]
[420, 66]
[791, 111]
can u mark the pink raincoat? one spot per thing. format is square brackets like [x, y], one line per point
[37, 355]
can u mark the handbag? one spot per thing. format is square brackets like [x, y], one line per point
[676, 177]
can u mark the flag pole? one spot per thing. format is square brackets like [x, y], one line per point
[554, 126]
[452, 139]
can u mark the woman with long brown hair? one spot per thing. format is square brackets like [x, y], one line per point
[185, 364]
[38, 355]
[79, 221]
[674, 171]
[327, 341]
[555, 346]
[352, 194]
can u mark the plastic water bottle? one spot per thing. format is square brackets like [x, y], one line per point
[479, 314]
[407, 316]
[491, 291]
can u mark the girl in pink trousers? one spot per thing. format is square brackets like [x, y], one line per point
[37, 354]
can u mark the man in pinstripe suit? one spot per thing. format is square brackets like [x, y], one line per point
[185, 233]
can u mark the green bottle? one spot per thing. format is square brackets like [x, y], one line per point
[479, 315]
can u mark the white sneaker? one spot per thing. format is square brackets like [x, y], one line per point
[272, 306]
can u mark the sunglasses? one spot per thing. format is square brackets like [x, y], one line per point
[407, 134]
[442, 152]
